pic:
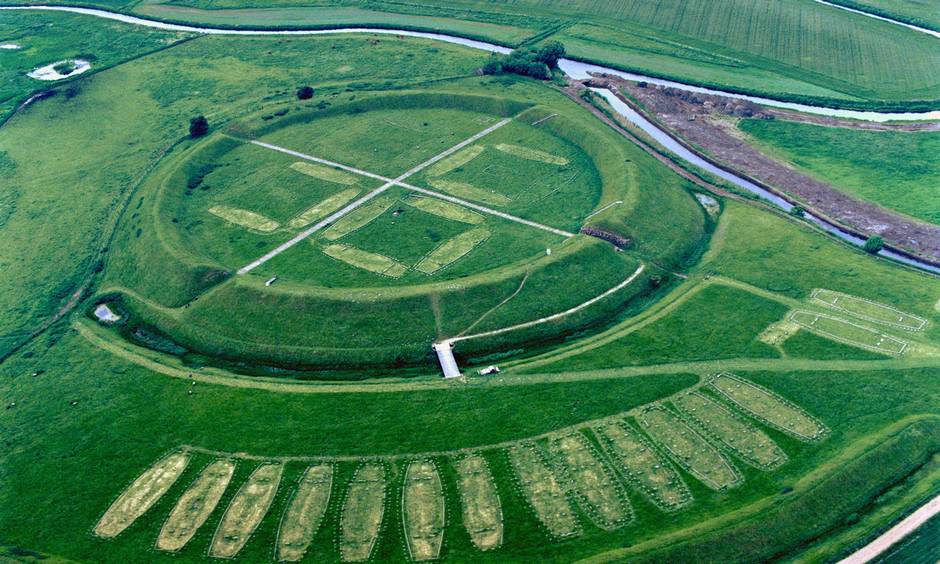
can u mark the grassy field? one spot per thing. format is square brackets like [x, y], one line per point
[893, 169]
[918, 12]
[448, 275]
[718, 322]
[45, 38]
[798, 50]
[47, 265]
[121, 446]
[817, 53]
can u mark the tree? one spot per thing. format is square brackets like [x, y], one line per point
[797, 211]
[874, 244]
[493, 66]
[305, 92]
[198, 126]
[537, 63]
[549, 53]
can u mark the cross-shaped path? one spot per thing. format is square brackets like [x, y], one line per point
[388, 183]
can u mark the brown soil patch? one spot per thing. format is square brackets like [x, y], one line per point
[707, 123]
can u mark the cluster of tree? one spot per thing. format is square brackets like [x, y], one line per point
[536, 62]
[198, 126]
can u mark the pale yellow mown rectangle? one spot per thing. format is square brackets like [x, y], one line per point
[245, 218]
[452, 250]
[304, 514]
[365, 260]
[423, 509]
[456, 160]
[531, 154]
[141, 495]
[482, 511]
[444, 209]
[359, 217]
[323, 209]
[326, 173]
[470, 192]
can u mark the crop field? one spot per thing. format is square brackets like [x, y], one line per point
[225, 346]
[918, 12]
[817, 53]
[590, 481]
[768, 407]
[482, 511]
[644, 467]
[689, 449]
[423, 511]
[892, 169]
[746, 441]
[304, 514]
[544, 492]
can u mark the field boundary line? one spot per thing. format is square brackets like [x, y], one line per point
[356, 203]
[846, 340]
[832, 305]
[399, 182]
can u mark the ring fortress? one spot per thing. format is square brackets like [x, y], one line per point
[358, 234]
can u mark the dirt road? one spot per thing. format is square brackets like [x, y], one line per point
[873, 549]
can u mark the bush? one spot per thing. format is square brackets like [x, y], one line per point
[198, 126]
[797, 211]
[874, 244]
[493, 66]
[305, 92]
[549, 53]
[65, 67]
[537, 63]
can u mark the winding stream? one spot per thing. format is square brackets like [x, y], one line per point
[579, 70]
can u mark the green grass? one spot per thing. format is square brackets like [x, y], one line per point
[46, 38]
[798, 50]
[718, 322]
[328, 328]
[86, 422]
[816, 511]
[138, 402]
[293, 14]
[45, 260]
[751, 246]
[408, 235]
[390, 133]
[893, 169]
[808, 345]
[923, 13]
